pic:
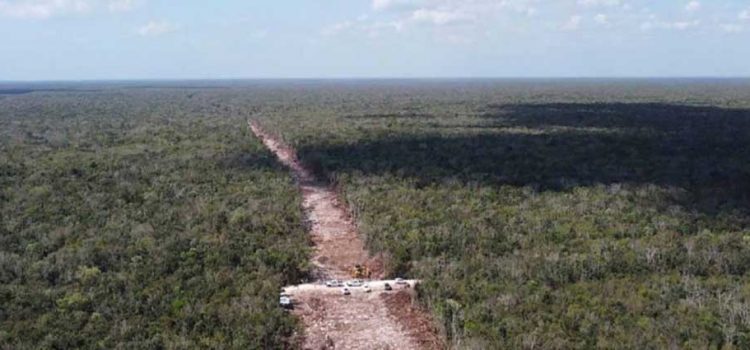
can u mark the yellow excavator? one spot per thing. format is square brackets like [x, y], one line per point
[360, 271]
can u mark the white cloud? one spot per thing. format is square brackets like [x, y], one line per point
[682, 25]
[573, 23]
[475, 8]
[693, 6]
[363, 25]
[156, 28]
[744, 15]
[387, 5]
[677, 25]
[440, 16]
[485, 16]
[44, 9]
[121, 5]
[394, 25]
[594, 3]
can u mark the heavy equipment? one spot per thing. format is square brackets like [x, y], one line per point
[360, 271]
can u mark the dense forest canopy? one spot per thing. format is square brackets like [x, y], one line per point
[539, 213]
[550, 214]
[141, 219]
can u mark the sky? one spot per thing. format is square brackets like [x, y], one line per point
[235, 39]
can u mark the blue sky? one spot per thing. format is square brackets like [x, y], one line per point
[161, 39]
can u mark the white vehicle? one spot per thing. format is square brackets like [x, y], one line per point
[366, 288]
[401, 281]
[354, 283]
[285, 300]
[345, 291]
[333, 283]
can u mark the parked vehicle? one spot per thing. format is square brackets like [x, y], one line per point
[354, 283]
[345, 291]
[366, 288]
[334, 283]
[387, 286]
[285, 301]
[401, 281]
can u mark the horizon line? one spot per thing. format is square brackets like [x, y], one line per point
[382, 78]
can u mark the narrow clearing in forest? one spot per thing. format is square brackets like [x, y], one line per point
[376, 320]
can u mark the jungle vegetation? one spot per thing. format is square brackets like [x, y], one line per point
[139, 218]
[549, 214]
[540, 214]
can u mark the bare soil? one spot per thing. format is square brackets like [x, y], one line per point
[413, 318]
[376, 320]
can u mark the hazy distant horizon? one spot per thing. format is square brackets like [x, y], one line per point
[344, 79]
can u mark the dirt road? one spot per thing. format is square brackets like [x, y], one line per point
[378, 319]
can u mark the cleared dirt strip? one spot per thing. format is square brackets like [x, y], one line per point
[378, 319]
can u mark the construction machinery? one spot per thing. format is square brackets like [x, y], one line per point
[360, 271]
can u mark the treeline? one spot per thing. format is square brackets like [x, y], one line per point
[142, 218]
[554, 216]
